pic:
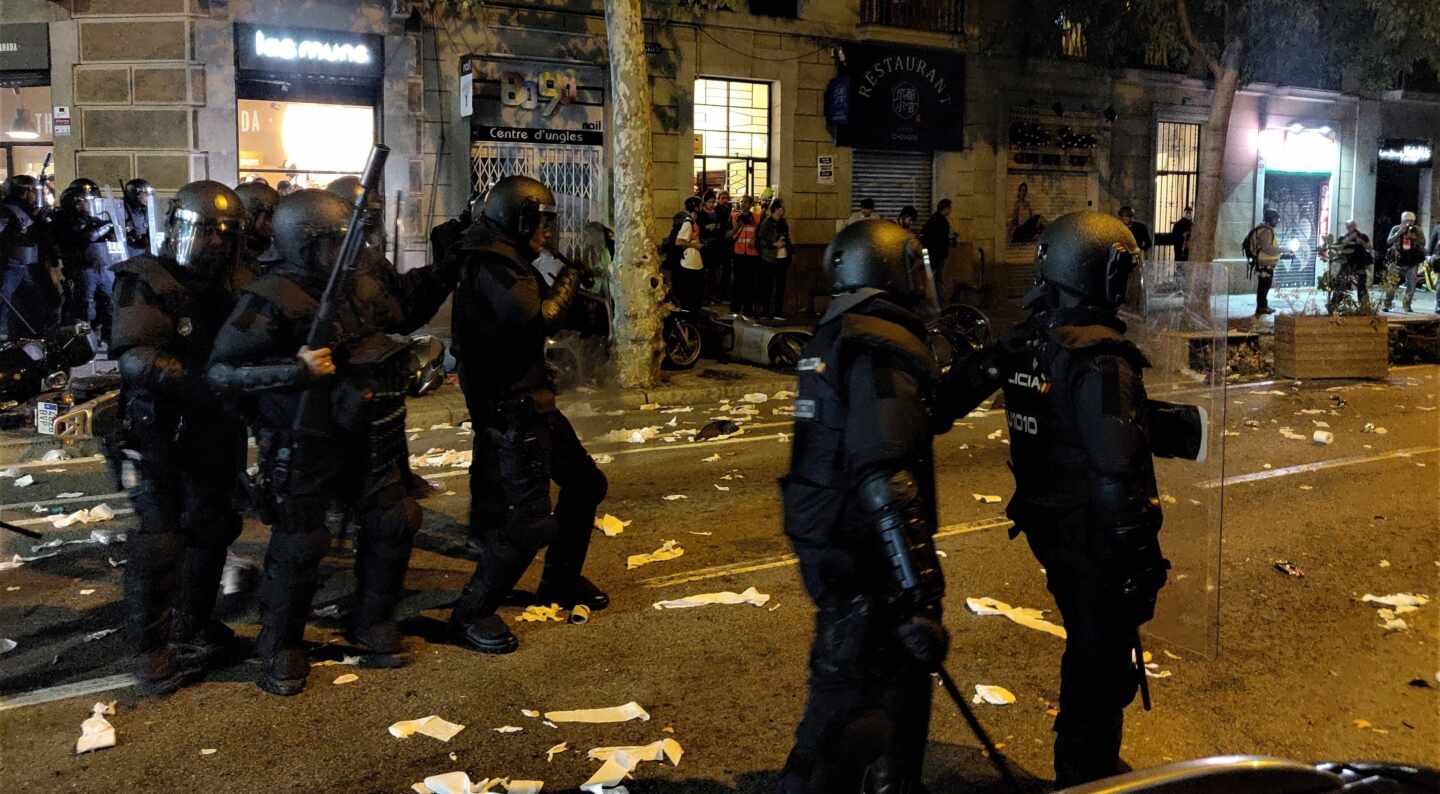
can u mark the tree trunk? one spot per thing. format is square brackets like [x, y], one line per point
[635, 281]
[1209, 193]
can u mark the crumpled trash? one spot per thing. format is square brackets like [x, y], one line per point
[755, 398]
[508, 729]
[611, 525]
[437, 458]
[602, 459]
[1024, 616]
[24, 482]
[751, 596]
[995, 434]
[1291, 434]
[538, 613]
[669, 550]
[96, 733]
[460, 783]
[1389, 620]
[556, 750]
[7, 645]
[994, 695]
[1397, 599]
[432, 726]
[1289, 569]
[347, 678]
[718, 429]
[622, 713]
[1323, 438]
[985, 498]
[712, 459]
[620, 762]
[99, 635]
[632, 435]
[675, 497]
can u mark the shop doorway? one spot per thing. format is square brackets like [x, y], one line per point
[576, 174]
[1303, 201]
[26, 130]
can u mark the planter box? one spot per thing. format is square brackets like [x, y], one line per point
[1308, 346]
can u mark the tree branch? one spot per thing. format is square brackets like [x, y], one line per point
[1182, 12]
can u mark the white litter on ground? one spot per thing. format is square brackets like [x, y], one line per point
[347, 678]
[1025, 616]
[995, 435]
[556, 750]
[1397, 600]
[631, 435]
[25, 482]
[624, 713]
[432, 726]
[602, 459]
[755, 398]
[751, 596]
[508, 729]
[96, 733]
[675, 497]
[611, 525]
[669, 550]
[537, 613]
[712, 459]
[7, 645]
[994, 695]
[620, 762]
[986, 498]
[96, 514]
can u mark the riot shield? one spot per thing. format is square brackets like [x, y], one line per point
[112, 208]
[152, 217]
[1179, 319]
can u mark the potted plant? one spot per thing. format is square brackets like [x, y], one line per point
[1345, 339]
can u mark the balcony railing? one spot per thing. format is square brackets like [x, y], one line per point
[941, 16]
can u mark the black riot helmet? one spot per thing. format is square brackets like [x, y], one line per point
[85, 183]
[1084, 259]
[880, 254]
[259, 202]
[79, 201]
[136, 191]
[310, 227]
[203, 228]
[349, 189]
[518, 206]
[22, 188]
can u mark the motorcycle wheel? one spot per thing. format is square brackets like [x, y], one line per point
[682, 342]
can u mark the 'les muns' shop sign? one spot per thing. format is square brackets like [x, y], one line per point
[904, 98]
[332, 53]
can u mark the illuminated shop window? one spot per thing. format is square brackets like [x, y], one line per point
[306, 143]
[732, 136]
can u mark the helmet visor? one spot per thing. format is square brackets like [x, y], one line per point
[206, 245]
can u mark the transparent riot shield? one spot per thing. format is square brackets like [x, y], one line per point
[111, 207]
[156, 224]
[1178, 316]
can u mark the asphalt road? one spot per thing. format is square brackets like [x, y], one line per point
[1300, 660]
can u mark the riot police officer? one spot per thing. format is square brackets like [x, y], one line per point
[860, 512]
[1082, 436]
[502, 314]
[138, 195]
[357, 458]
[85, 232]
[180, 451]
[20, 245]
[259, 254]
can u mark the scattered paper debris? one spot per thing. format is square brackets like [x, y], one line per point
[712, 459]
[1323, 438]
[611, 525]
[1389, 620]
[1291, 434]
[532, 713]
[986, 498]
[720, 487]
[88, 591]
[208, 751]
[1320, 424]
[25, 482]
[625, 713]
[1149, 673]
[53, 456]
[99, 635]
[675, 497]
[556, 750]
[1289, 569]
[1025, 616]
[1174, 656]
[682, 410]
[602, 459]
[327, 611]
[538, 613]
[668, 550]
[631, 435]
[1384, 563]
[70, 495]
[347, 678]
[620, 762]
[755, 398]
[666, 749]
[751, 596]
[508, 729]
[441, 458]
[7, 645]
[994, 695]
[650, 407]
[1307, 487]
[701, 534]
[432, 726]
[996, 434]
[345, 660]
[96, 733]
[1397, 600]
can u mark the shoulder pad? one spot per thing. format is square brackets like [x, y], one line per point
[1098, 339]
[877, 334]
[286, 295]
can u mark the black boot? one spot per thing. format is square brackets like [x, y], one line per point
[473, 622]
[285, 672]
[200, 587]
[1089, 753]
[163, 670]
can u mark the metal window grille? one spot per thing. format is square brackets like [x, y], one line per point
[946, 16]
[576, 175]
[893, 180]
[1177, 178]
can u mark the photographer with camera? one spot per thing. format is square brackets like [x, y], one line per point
[1407, 249]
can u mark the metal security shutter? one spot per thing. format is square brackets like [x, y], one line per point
[893, 179]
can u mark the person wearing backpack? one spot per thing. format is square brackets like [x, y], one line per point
[1262, 249]
[682, 258]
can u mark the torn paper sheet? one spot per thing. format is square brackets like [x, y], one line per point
[70, 495]
[994, 695]
[751, 596]
[755, 398]
[986, 498]
[602, 459]
[7, 645]
[625, 713]
[1397, 600]
[432, 726]
[712, 459]
[611, 525]
[669, 550]
[508, 729]
[448, 783]
[537, 613]
[347, 678]
[1025, 616]
[442, 458]
[348, 660]
[25, 482]
[675, 497]
[556, 750]
[532, 713]
[96, 733]
[99, 635]
[631, 435]
[1390, 622]
[522, 786]
[667, 749]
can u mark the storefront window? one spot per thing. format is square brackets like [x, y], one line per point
[307, 144]
[732, 136]
[25, 130]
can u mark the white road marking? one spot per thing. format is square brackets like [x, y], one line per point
[1305, 468]
[64, 691]
[782, 560]
[56, 464]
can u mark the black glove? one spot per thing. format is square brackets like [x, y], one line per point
[1134, 575]
[924, 639]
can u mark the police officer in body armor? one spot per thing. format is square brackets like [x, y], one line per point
[1082, 436]
[502, 314]
[259, 252]
[860, 513]
[84, 232]
[358, 459]
[20, 250]
[137, 216]
[179, 450]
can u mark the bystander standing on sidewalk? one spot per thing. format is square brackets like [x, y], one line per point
[1407, 248]
[745, 261]
[773, 242]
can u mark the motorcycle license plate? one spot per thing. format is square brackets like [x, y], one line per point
[45, 414]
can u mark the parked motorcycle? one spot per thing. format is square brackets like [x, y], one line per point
[29, 367]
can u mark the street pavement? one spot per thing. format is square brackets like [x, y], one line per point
[1304, 668]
